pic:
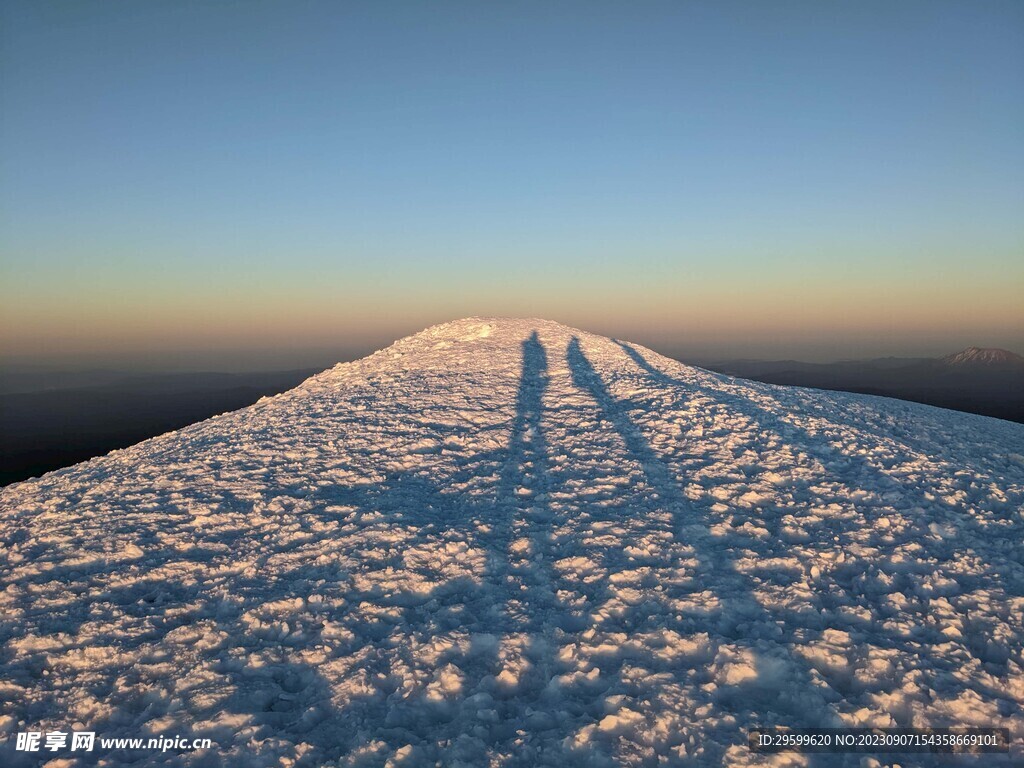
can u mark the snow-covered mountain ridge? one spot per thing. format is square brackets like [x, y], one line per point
[983, 356]
[511, 542]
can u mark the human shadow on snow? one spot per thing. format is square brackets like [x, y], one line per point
[851, 583]
[783, 691]
[267, 686]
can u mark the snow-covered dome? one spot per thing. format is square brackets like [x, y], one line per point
[511, 542]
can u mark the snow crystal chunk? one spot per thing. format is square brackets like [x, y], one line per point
[131, 550]
[622, 722]
[448, 682]
[403, 756]
[737, 672]
[943, 531]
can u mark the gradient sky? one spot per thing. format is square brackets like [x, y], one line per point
[268, 184]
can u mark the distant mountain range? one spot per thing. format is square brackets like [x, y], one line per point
[51, 420]
[977, 380]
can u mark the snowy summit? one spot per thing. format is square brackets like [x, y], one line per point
[508, 542]
[983, 356]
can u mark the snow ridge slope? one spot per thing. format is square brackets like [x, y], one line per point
[508, 541]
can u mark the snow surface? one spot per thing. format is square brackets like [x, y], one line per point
[508, 542]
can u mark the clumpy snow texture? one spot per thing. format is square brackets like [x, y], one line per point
[507, 542]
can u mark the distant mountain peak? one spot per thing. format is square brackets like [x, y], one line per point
[983, 356]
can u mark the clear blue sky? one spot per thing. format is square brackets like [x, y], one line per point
[258, 181]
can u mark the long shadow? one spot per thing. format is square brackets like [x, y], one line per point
[266, 681]
[742, 617]
[858, 472]
[515, 597]
[863, 472]
[523, 581]
[524, 488]
[853, 582]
